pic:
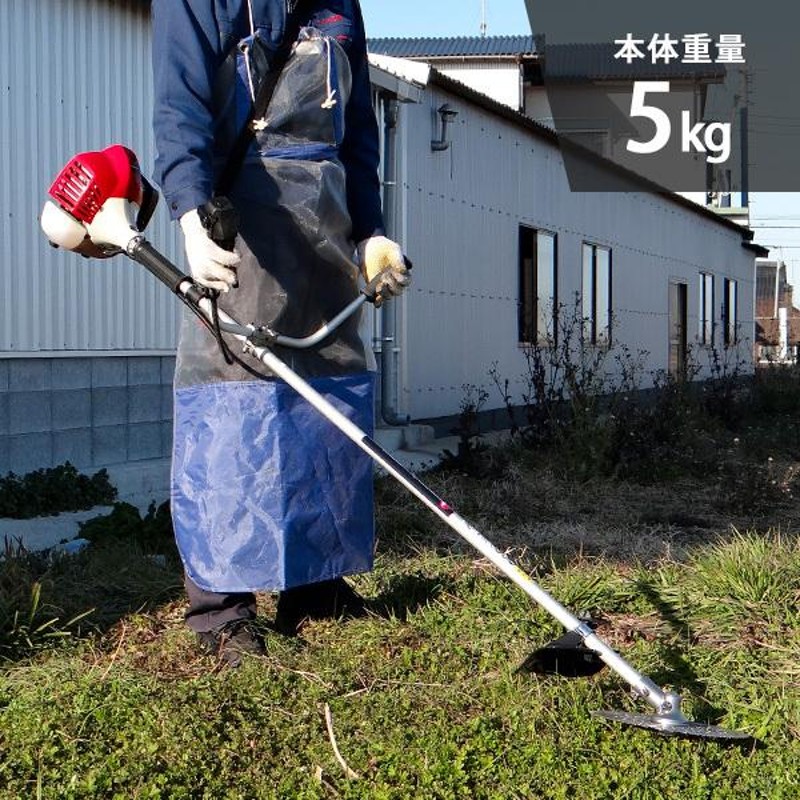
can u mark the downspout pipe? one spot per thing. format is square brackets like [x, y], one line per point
[389, 348]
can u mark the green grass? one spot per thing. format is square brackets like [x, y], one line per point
[425, 693]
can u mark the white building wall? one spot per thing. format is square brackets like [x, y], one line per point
[74, 76]
[464, 206]
[537, 105]
[496, 79]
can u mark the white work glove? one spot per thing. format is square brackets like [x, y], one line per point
[379, 255]
[209, 263]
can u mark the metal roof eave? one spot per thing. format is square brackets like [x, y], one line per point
[405, 79]
[758, 249]
[452, 47]
[568, 62]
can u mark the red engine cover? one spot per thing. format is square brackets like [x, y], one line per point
[89, 179]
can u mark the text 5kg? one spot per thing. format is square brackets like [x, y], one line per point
[713, 138]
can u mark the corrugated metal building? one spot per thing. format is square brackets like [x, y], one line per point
[511, 69]
[674, 275]
[498, 66]
[86, 347]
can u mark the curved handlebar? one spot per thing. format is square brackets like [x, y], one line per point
[140, 250]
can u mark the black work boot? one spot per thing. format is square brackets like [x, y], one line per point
[333, 599]
[231, 641]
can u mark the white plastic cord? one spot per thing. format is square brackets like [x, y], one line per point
[246, 52]
[250, 12]
[330, 101]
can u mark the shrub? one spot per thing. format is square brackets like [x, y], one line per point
[582, 405]
[153, 532]
[727, 394]
[776, 389]
[574, 395]
[471, 456]
[50, 491]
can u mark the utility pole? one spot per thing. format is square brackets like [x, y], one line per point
[484, 26]
[744, 134]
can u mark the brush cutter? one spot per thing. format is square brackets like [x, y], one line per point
[101, 201]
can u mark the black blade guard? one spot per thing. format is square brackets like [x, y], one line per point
[665, 726]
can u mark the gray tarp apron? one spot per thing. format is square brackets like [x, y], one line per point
[266, 493]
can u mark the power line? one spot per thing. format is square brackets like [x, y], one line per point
[776, 117]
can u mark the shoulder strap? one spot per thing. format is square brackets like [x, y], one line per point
[262, 99]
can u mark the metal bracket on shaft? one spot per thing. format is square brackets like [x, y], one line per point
[261, 336]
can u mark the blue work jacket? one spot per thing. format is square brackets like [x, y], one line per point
[191, 41]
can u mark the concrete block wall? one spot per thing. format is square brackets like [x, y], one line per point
[92, 411]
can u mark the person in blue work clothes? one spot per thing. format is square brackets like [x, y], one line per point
[266, 494]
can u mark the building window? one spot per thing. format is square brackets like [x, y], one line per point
[596, 294]
[730, 315]
[705, 333]
[538, 282]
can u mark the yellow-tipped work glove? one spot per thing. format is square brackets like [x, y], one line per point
[381, 256]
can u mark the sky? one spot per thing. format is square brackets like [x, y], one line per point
[444, 17]
[775, 217]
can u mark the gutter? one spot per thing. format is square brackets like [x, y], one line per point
[390, 351]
